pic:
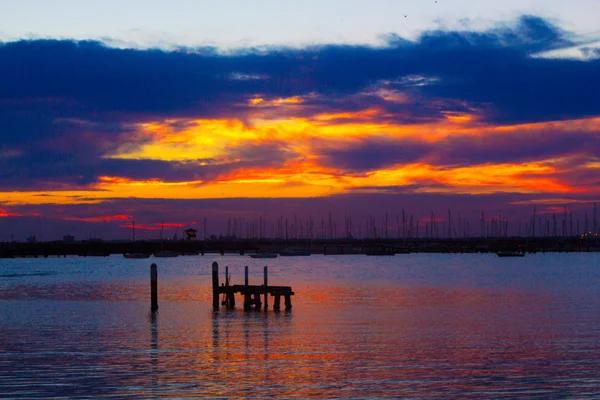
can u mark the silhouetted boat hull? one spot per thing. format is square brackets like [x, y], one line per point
[510, 254]
[137, 255]
[294, 253]
[94, 254]
[263, 255]
[166, 254]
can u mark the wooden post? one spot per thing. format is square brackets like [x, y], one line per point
[247, 302]
[227, 300]
[277, 305]
[153, 288]
[288, 302]
[258, 302]
[266, 288]
[232, 299]
[215, 281]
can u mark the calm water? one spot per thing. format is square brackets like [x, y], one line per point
[409, 326]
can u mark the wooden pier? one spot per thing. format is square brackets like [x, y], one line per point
[251, 293]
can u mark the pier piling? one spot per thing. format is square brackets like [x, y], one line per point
[257, 303]
[215, 281]
[153, 288]
[266, 287]
[247, 302]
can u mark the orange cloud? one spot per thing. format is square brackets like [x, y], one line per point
[106, 218]
[141, 227]
[301, 171]
[169, 225]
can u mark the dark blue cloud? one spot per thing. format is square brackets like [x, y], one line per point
[87, 78]
[372, 154]
[513, 147]
[43, 169]
[516, 147]
[44, 83]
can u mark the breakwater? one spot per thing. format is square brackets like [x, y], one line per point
[339, 246]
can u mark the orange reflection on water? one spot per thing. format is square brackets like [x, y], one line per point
[342, 339]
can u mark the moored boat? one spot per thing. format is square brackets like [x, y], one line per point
[380, 253]
[510, 253]
[263, 255]
[137, 255]
[294, 253]
[166, 254]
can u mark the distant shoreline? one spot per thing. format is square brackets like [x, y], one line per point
[327, 247]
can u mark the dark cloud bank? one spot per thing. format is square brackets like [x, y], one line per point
[64, 104]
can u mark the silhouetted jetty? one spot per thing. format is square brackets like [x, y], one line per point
[251, 293]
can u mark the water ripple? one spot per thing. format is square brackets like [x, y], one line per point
[87, 333]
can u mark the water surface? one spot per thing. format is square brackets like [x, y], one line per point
[410, 326]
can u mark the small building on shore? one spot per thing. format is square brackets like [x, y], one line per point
[190, 234]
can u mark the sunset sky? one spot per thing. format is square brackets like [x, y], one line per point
[196, 110]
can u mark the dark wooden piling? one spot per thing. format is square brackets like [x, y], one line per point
[215, 281]
[257, 302]
[225, 301]
[288, 302]
[247, 301]
[231, 299]
[266, 287]
[277, 303]
[153, 288]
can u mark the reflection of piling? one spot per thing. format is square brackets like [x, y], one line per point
[226, 299]
[154, 351]
[153, 288]
[215, 281]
